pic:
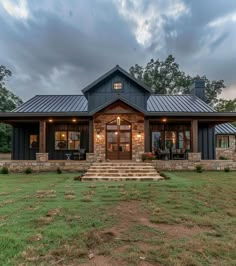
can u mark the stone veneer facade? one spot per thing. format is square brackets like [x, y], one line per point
[137, 122]
[227, 152]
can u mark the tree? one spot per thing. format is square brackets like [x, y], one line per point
[226, 105]
[165, 77]
[8, 101]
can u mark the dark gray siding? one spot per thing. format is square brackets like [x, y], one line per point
[21, 141]
[206, 141]
[104, 92]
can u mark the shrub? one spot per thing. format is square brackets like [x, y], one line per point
[144, 157]
[227, 169]
[4, 171]
[59, 170]
[28, 170]
[164, 175]
[223, 158]
[199, 168]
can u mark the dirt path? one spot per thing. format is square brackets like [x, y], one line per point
[128, 215]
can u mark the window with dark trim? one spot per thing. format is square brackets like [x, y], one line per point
[33, 141]
[222, 141]
[67, 140]
[117, 85]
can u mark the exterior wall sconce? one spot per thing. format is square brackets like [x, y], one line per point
[139, 134]
[164, 120]
[98, 134]
[74, 120]
[50, 120]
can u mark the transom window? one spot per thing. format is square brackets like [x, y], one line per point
[67, 140]
[222, 141]
[117, 85]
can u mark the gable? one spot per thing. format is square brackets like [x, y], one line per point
[102, 90]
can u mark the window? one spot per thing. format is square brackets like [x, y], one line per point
[33, 142]
[117, 85]
[67, 140]
[74, 140]
[222, 141]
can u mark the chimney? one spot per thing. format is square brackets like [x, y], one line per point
[198, 89]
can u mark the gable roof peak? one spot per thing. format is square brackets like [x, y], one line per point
[110, 72]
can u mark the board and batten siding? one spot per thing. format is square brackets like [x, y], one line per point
[104, 92]
[21, 141]
[206, 142]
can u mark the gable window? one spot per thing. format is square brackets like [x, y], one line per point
[117, 85]
[34, 144]
[222, 141]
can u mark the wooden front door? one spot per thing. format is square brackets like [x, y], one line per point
[118, 140]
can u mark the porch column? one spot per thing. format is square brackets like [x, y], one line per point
[146, 135]
[91, 137]
[194, 131]
[42, 136]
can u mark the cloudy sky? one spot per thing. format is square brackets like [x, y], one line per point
[59, 47]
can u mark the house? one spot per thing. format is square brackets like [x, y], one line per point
[116, 118]
[225, 141]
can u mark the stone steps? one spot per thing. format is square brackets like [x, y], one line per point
[121, 171]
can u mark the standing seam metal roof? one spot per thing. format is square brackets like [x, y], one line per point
[78, 103]
[177, 103]
[54, 103]
[227, 129]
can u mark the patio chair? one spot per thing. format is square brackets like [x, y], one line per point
[80, 155]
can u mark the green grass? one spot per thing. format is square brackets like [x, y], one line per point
[49, 218]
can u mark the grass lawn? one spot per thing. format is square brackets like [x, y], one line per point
[50, 219]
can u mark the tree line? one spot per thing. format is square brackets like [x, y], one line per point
[162, 76]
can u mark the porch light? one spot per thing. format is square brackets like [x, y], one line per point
[74, 120]
[164, 120]
[139, 134]
[116, 133]
[98, 134]
[50, 120]
[118, 121]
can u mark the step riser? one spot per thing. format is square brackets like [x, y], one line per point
[121, 171]
[147, 178]
[114, 174]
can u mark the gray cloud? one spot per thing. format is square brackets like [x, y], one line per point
[62, 46]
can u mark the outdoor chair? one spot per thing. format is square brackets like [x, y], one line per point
[80, 155]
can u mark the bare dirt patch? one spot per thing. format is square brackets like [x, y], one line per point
[129, 215]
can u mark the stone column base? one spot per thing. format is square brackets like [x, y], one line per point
[41, 157]
[90, 157]
[194, 156]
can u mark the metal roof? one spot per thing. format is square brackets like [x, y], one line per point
[226, 128]
[177, 103]
[78, 103]
[54, 103]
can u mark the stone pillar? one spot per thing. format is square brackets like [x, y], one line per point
[90, 157]
[194, 134]
[41, 157]
[234, 156]
[194, 156]
[91, 136]
[147, 135]
[42, 136]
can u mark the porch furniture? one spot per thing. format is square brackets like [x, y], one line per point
[68, 155]
[80, 155]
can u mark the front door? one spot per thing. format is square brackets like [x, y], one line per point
[118, 140]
